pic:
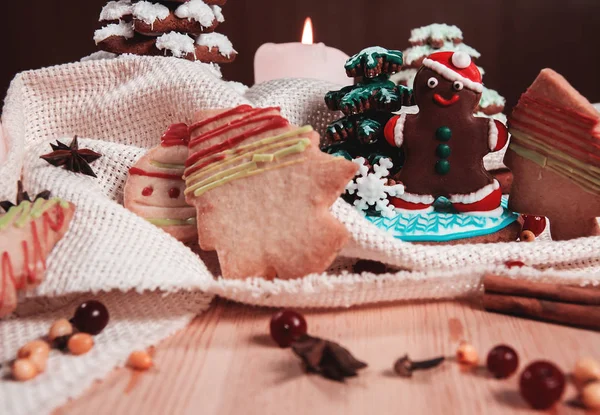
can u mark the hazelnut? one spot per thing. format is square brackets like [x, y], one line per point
[527, 236]
[80, 343]
[60, 328]
[140, 360]
[23, 370]
[466, 354]
[590, 395]
[586, 370]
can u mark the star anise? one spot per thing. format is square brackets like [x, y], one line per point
[22, 196]
[327, 358]
[72, 157]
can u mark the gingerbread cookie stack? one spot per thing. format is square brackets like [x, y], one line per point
[445, 38]
[183, 29]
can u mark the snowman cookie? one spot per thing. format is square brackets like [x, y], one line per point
[444, 144]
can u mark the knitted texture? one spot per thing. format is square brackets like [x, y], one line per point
[119, 108]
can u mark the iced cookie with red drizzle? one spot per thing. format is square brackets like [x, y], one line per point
[154, 188]
[444, 144]
[262, 190]
[555, 157]
[28, 232]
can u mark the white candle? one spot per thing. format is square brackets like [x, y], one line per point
[300, 60]
[3, 145]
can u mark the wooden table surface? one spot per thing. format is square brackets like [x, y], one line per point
[225, 363]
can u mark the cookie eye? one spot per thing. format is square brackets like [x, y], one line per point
[457, 85]
[432, 82]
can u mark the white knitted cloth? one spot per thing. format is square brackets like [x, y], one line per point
[120, 107]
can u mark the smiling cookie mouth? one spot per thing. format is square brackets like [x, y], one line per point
[445, 102]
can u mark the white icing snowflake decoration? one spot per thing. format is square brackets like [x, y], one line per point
[371, 188]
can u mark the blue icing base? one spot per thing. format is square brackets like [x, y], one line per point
[443, 225]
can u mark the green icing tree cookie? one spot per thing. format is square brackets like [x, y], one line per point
[373, 61]
[367, 106]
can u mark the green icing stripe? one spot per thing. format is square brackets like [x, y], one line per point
[167, 165]
[552, 152]
[588, 182]
[171, 222]
[245, 169]
[28, 211]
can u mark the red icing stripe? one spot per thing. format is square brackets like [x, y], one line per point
[272, 124]
[527, 100]
[28, 274]
[251, 117]
[176, 135]
[237, 110]
[574, 148]
[139, 172]
[581, 135]
[569, 126]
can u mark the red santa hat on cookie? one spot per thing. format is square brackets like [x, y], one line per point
[456, 66]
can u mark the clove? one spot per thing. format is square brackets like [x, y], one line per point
[404, 366]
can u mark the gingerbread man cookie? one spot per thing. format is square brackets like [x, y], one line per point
[555, 157]
[445, 143]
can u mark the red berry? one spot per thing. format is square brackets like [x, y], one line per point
[535, 224]
[502, 361]
[90, 317]
[147, 191]
[512, 264]
[542, 384]
[286, 327]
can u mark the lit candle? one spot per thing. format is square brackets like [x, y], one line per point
[300, 60]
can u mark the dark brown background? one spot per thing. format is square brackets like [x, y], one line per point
[516, 37]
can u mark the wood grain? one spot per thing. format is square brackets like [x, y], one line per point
[225, 363]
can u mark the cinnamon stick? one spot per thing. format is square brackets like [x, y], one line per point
[552, 292]
[587, 316]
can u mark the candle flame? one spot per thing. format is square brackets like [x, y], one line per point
[307, 33]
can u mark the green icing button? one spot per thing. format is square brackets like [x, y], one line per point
[443, 133]
[443, 151]
[442, 167]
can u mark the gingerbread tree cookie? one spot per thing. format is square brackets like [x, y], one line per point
[445, 38]
[262, 191]
[183, 29]
[555, 157]
[444, 144]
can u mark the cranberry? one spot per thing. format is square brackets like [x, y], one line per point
[502, 361]
[512, 264]
[542, 384]
[535, 224]
[286, 327]
[90, 317]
